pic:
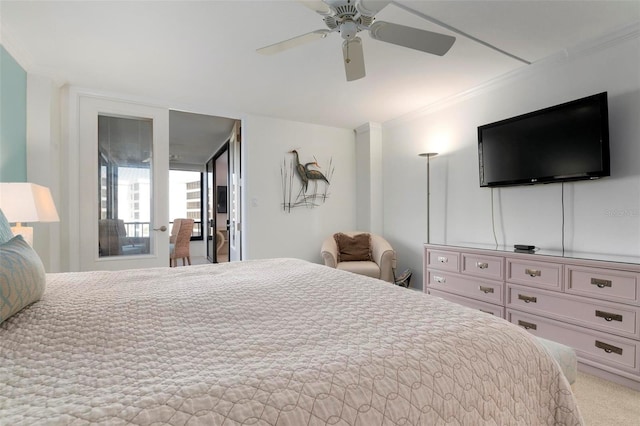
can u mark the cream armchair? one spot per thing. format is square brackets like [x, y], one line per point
[382, 266]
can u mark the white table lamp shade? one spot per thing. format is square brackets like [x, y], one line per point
[27, 202]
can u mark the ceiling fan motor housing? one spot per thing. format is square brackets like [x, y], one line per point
[348, 17]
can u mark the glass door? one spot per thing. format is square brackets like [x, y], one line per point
[217, 172]
[124, 185]
[211, 221]
[221, 203]
[124, 153]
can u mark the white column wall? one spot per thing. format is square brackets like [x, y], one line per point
[43, 160]
[369, 212]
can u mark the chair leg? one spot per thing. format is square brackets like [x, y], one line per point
[189, 260]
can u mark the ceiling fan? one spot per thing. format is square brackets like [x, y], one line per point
[348, 17]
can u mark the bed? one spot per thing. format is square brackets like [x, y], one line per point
[267, 342]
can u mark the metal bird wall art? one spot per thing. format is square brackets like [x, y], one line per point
[314, 174]
[309, 172]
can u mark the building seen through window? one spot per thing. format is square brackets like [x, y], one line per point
[132, 185]
[185, 198]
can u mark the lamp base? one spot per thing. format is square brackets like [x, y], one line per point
[25, 231]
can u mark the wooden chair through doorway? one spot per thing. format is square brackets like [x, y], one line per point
[179, 241]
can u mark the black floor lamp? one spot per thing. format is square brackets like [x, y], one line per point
[428, 155]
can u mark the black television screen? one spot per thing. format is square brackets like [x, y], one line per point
[562, 143]
[222, 199]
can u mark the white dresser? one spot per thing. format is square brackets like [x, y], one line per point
[592, 305]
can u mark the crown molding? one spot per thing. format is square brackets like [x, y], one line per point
[584, 49]
[24, 58]
[21, 56]
[368, 127]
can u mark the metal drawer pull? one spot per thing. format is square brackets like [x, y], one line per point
[527, 325]
[608, 348]
[609, 316]
[533, 272]
[486, 312]
[442, 259]
[439, 279]
[485, 289]
[482, 265]
[601, 283]
[528, 299]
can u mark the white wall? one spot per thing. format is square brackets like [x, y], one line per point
[272, 232]
[43, 160]
[368, 165]
[601, 216]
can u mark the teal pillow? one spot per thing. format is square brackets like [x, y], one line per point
[22, 276]
[5, 229]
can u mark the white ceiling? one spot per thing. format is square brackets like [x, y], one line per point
[202, 53]
[195, 138]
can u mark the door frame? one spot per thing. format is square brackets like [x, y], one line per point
[236, 195]
[70, 176]
[83, 183]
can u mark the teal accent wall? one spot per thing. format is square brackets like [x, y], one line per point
[13, 119]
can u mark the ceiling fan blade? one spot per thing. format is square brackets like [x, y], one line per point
[426, 41]
[353, 58]
[316, 5]
[371, 7]
[293, 42]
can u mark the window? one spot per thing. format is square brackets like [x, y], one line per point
[125, 180]
[185, 198]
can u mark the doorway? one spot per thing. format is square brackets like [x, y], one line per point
[217, 170]
[122, 180]
[195, 141]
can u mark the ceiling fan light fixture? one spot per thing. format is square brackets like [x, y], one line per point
[348, 30]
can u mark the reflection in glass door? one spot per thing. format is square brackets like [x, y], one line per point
[217, 172]
[124, 193]
[211, 224]
[220, 183]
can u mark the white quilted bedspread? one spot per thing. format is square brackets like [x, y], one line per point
[267, 342]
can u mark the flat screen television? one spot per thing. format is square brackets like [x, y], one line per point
[566, 142]
[222, 199]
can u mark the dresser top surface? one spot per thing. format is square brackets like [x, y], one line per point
[506, 250]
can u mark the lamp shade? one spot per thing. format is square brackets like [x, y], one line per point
[27, 202]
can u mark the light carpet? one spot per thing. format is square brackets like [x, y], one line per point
[604, 403]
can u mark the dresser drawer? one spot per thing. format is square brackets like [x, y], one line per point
[607, 284]
[490, 267]
[623, 320]
[614, 351]
[489, 291]
[443, 260]
[488, 308]
[538, 274]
